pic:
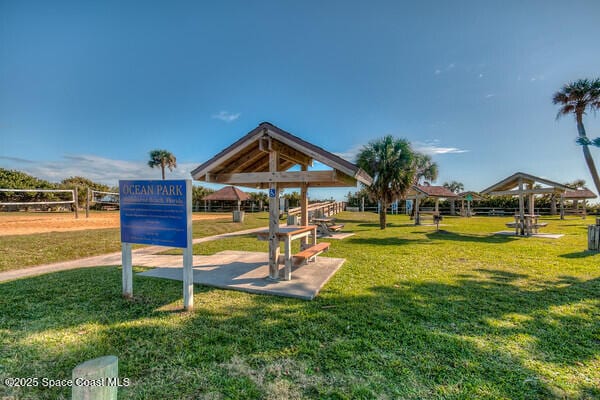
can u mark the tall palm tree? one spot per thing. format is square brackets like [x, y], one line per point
[576, 98]
[162, 159]
[390, 161]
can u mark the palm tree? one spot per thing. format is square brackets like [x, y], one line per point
[390, 162]
[454, 186]
[162, 158]
[425, 168]
[575, 98]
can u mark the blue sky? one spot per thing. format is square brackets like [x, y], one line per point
[89, 88]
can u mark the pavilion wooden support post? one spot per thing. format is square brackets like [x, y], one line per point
[452, 207]
[553, 205]
[304, 207]
[562, 207]
[531, 201]
[273, 219]
[417, 217]
[437, 205]
[520, 228]
[468, 208]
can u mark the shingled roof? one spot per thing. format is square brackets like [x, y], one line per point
[584, 193]
[431, 191]
[228, 193]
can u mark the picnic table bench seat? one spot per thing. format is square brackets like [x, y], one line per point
[309, 253]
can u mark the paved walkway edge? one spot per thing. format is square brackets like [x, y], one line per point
[105, 259]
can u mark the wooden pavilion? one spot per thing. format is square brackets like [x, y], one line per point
[228, 194]
[575, 196]
[420, 192]
[468, 197]
[263, 159]
[525, 186]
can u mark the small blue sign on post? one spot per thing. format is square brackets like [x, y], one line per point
[154, 212]
[272, 192]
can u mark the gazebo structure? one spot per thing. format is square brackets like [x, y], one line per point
[228, 193]
[419, 192]
[263, 159]
[468, 197]
[524, 186]
[575, 196]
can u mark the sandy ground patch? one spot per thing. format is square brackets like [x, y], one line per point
[17, 223]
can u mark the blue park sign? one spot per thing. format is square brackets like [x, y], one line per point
[154, 212]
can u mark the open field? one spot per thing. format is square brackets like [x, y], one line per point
[20, 223]
[412, 314]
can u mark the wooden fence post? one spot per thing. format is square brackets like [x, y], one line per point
[87, 374]
[76, 198]
[87, 203]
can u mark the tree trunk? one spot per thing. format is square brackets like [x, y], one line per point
[162, 167]
[382, 215]
[587, 155]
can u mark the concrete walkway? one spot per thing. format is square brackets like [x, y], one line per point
[107, 259]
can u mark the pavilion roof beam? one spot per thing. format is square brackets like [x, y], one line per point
[268, 144]
[276, 177]
[526, 191]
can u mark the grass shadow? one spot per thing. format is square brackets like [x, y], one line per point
[458, 237]
[580, 254]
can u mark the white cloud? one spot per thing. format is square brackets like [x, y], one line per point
[432, 147]
[480, 75]
[450, 66]
[226, 116]
[537, 78]
[99, 169]
[437, 72]
[489, 95]
[351, 153]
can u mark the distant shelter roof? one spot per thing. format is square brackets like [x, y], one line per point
[430, 191]
[584, 193]
[474, 195]
[228, 193]
[506, 186]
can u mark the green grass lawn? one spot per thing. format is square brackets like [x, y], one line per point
[412, 314]
[21, 251]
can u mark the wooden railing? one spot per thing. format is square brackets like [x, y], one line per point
[325, 209]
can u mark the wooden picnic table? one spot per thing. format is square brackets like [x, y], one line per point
[327, 226]
[526, 226]
[287, 235]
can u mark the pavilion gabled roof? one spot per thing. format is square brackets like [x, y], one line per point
[505, 186]
[431, 191]
[474, 195]
[584, 193]
[228, 193]
[246, 162]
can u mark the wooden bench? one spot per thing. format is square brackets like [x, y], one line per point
[309, 253]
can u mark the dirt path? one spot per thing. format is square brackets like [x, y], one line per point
[16, 223]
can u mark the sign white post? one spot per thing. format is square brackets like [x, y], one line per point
[188, 254]
[127, 270]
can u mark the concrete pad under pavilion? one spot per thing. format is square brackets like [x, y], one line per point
[246, 272]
